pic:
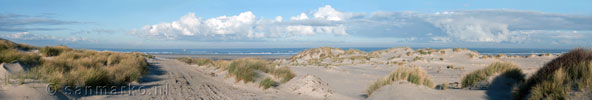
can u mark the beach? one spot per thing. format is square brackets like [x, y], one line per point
[342, 75]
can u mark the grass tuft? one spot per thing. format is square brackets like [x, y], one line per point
[53, 51]
[91, 68]
[414, 75]
[510, 70]
[198, 61]
[244, 69]
[267, 83]
[27, 58]
[559, 78]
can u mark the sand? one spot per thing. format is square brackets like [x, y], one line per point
[224, 56]
[338, 77]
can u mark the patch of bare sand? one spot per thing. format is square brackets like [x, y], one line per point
[310, 86]
[403, 90]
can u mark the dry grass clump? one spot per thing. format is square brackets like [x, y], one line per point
[221, 64]
[326, 56]
[5, 44]
[417, 58]
[284, 74]
[458, 49]
[267, 83]
[354, 51]
[472, 55]
[425, 52]
[501, 55]
[75, 67]
[198, 61]
[510, 71]
[560, 78]
[91, 68]
[53, 51]
[396, 62]
[477, 76]
[245, 69]
[414, 75]
[27, 58]
[393, 57]
[10, 51]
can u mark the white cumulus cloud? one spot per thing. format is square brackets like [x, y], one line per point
[245, 26]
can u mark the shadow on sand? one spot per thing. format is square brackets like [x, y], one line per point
[501, 88]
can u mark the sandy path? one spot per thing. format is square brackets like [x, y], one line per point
[170, 79]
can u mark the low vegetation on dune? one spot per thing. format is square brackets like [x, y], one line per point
[53, 51]
[326, 56]
[246, 69]
[73, 67]
[5, 44]
[267, 83]
[458, 49]
[91, 68]
[566, 77]
[198, 61]
[413, 74]
[17, 52]
[27, 58]
[222, 64]
[505, 69]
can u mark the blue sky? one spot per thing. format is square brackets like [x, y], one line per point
[295, 24]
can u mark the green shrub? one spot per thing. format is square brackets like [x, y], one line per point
[267, 83]
[510, 70]
[571, 72]
[414, 75]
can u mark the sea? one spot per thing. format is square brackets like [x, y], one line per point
[292, 51]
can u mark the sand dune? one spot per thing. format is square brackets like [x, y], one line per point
[322, 73]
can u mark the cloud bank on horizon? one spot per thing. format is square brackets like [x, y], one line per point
[512, 26]
[492, 26]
